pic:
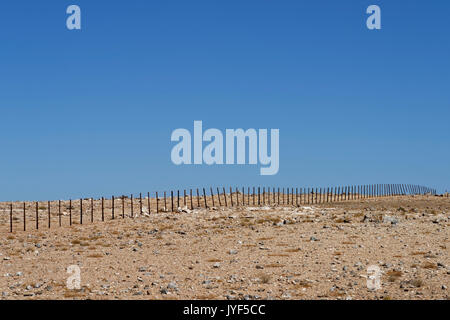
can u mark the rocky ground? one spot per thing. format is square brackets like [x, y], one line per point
[306, 252]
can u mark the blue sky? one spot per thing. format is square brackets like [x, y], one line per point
[90, 112]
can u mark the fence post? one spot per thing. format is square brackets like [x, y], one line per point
[157, 201]
[192, 201]
[212, 196]
[259, 196]
[198, 199]
[10, 218]
[37, 215]
[103, 209]
[140, 203]
[92, 210]
[231, 197]
[171, 200]
[165, 202]
[204, 198]
[112, 207]
[48, 208]
[218, 197]
[149, 201]
[81, 211]
[225, 197]
[59, 212]
[24, 216]
[178, 199]
[237, 197]
[123, 206]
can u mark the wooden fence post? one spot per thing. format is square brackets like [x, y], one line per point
[225, 197]
[123, 206]
[157, 201]
[149, 201]
[259, 196]
[237, 197]
[198, 199]
[103, 209]
[165, 202]
[24, 217]
[59, 212]
[204, 198]
[112, 207]
[11, 217]
[218, 197]
[231, 196]
[212, 196]
[49, 219]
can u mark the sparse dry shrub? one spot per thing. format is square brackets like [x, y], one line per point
[303, 284]
[429, 265]
[265, 278]
[416, 283]
[274, 265]
[394, 275]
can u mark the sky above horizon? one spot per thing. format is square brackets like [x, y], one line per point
[90, 112]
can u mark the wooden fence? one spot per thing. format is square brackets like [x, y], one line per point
[26, 215]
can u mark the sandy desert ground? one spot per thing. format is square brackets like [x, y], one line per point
[319, 251]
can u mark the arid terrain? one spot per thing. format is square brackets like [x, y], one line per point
[319, 251]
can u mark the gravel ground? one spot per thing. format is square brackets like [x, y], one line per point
[305, 252]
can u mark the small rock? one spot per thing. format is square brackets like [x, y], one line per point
[172, 285]
[163, 291]
[391, 220]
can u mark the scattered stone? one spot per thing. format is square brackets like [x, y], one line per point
[172, 286]
[389, 219]
[164, 291]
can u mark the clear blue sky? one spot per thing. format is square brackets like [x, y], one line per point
[90, 112]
